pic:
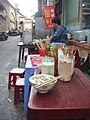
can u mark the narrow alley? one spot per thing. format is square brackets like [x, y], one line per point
[8, 60]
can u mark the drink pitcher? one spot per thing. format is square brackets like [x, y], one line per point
[66, 67]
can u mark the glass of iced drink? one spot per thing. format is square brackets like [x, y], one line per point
[47, 66]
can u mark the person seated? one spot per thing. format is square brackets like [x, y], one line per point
[60, 34]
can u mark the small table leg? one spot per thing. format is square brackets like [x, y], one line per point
[22, 53]
[29, 51]
[19, 56]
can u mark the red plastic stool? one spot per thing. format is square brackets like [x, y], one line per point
[13, 74]
[19, 91]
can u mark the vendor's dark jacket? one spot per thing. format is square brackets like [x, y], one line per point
[60, 35]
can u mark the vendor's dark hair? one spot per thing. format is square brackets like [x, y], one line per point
[56, 20]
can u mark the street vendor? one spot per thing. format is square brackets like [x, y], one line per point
[60, 34]
[21, 30]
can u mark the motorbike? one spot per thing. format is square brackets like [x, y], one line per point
[3, 36]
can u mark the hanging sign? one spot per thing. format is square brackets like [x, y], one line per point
[49, 14]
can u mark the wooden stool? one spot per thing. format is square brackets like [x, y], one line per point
[13, 74]
[19, 90]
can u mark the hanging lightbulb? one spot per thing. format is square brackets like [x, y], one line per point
[83, 5]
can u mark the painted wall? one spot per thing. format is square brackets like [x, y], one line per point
[40, 30]
[10, 16]
[71, 14]
[71, 11]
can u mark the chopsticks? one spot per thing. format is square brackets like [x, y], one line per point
[41, 45]
[38, 45]
[68, 52]
[48, 82]
[43, 84]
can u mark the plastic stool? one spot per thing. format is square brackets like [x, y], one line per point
[19, 90]
[13, 74]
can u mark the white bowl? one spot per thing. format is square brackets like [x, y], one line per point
[43, 82]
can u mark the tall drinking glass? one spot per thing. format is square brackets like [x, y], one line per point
[48, 65]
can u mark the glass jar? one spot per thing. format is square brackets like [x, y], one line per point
[47, 65]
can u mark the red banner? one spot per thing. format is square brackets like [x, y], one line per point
[49, 13]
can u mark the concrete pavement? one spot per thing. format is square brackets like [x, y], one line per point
[8, 60]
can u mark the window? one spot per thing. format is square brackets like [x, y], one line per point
[85, 7]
